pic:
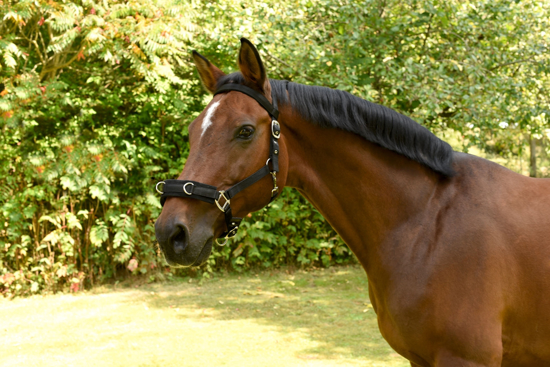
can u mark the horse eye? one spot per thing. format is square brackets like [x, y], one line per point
[246, 132]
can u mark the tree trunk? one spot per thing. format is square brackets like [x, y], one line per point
[533, 156]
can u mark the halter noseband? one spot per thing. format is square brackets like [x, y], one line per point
[222, 198]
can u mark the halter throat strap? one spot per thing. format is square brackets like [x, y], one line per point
[222, 198]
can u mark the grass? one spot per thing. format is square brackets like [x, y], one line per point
[314, 318]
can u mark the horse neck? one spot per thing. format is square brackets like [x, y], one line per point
[363, 190]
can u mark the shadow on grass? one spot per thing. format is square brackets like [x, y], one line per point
[329, 307]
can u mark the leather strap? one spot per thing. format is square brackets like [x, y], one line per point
[260, 98]
[182, 188]
[250, 180]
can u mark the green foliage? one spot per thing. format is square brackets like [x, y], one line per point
[478, 67]
[286, 232]
[96, 97]
[91, 110]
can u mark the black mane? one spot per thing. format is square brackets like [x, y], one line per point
[378, 124]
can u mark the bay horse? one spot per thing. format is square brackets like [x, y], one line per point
[456, 248]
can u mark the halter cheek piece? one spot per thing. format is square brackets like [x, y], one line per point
[222, 198]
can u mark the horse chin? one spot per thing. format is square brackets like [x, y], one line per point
[189, 258]
[205, 253]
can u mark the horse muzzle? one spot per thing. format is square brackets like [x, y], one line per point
[181, 249]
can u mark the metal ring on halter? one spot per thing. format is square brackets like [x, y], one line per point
[224, 242]
[157, 187]
[232, 233]
[185, 190]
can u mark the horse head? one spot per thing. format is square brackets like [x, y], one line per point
[234, 148]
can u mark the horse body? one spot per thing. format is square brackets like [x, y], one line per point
[458, 265]
[468, 285]
[449, 260]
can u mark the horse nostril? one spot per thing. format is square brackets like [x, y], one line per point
[180, 242]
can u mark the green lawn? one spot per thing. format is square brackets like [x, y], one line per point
[314, 318]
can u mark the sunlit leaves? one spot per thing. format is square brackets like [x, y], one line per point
[73, 221]
[10, 52]
[101, 192]
[123, 238]
[99, 233]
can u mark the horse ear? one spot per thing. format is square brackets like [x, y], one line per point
[251, 66]
[209, 73]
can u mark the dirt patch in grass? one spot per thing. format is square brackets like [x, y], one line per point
[313, 318]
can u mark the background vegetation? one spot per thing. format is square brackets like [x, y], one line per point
[95, 99]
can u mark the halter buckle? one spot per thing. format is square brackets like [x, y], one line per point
[275, 132]
[275, 190]
[225, 205]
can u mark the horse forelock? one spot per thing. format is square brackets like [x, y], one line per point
[378, 124]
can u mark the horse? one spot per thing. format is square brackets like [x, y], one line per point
[456, 248]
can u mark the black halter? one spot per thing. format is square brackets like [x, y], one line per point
[210, 194]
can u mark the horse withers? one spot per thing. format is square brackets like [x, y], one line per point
[456, 248]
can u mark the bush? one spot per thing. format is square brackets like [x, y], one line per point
[96, 97]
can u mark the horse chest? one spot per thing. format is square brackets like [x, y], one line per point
[400, 317]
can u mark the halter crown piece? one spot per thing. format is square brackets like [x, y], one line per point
[222, 198]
